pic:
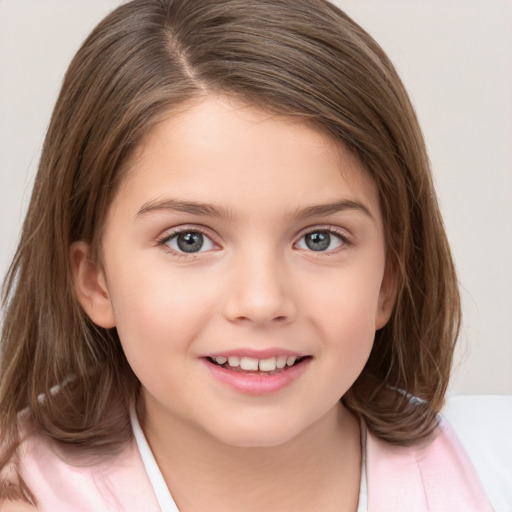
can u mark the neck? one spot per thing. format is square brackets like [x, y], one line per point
[318, 469]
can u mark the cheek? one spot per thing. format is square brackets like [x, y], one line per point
[347, 300]
[344, 314]
[156, 307]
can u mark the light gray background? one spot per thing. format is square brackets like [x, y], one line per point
[455, 57]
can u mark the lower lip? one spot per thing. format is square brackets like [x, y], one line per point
[258, 383]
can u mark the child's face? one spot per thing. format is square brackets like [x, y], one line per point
[238, 234]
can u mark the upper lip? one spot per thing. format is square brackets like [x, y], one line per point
[255, 353]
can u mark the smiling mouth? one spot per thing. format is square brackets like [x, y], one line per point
[250, 365]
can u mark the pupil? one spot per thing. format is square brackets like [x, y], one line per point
[190, 242]
[318, 241]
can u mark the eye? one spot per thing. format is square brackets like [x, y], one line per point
[188, 241]
[321, 240]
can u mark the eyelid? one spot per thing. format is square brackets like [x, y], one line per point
[337, 231]
[168, 234]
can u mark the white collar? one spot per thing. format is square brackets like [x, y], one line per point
[155, 476]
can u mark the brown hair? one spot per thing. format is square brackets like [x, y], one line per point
[302, 58]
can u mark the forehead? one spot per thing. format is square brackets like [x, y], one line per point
[217, 149]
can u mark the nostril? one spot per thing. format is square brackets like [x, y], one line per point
[243, 319]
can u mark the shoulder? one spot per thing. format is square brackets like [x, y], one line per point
[72, 477]
[17, 506]
[483, 424]
[465, 465]
[12, 495]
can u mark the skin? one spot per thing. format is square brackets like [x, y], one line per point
[255, 285]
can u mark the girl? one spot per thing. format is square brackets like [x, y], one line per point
[233, 288]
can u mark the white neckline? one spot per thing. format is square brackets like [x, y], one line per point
[160, 488]
[163, 494]
[362, 505]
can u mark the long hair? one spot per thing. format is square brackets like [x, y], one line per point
[301, 58]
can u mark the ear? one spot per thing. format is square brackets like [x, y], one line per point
[91, 286]
[387, 296]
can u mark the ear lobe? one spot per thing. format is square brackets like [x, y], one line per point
[91, 286]
[387, 296]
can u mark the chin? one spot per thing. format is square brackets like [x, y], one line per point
[256, 434]
[257, 439]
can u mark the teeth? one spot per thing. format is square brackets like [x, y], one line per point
[268, 365]
[290, 360]
[251, 364]
[233, 361]
[248, 363]
[281, 361]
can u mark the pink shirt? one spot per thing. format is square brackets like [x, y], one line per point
[438, 477]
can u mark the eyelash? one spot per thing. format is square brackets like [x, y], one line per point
[169, 235]
[338, 233]
[163, 240]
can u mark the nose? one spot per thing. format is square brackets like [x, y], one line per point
[259, 291]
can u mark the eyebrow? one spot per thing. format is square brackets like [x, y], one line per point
[210, 210]
[192, 207]
[335, 207]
